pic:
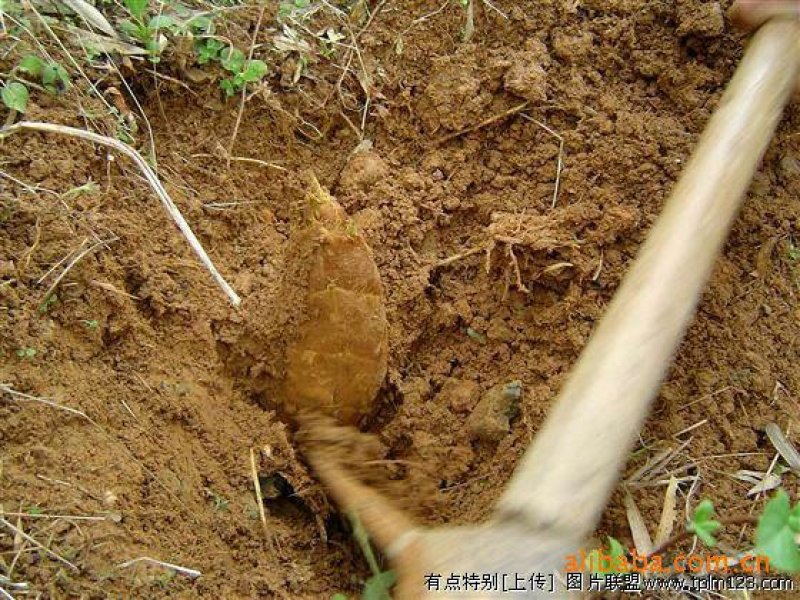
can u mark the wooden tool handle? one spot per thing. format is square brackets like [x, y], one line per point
[563, 482]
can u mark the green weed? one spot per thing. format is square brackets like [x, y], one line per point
[48, 303]
[776, 530]
[26, 353]
[702, 525]
[793, 252]
[15, 96]
[52, 75]
[378, 586]
[286, 9]
[242, 71]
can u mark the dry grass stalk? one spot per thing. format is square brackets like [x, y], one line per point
[151, 178]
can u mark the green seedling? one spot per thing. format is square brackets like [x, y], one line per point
[15, 96]
[147, 30]
[26, 353]
[243, 71]
[702, 525]
[87, 188]
[613, 561]
[208, 49]
[286, 9]
[328, 42]
[47, 304]
[90, 324]
[165, 578]
[778, 526]
[775, 537]
[793, 252]
[53, 76]
[378, 586]
[220, 503]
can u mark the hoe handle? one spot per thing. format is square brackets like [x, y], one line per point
[563, 482]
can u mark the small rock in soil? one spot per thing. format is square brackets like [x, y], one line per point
[460, 395]
[490, 421]
[363, 170]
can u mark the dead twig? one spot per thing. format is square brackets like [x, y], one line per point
[456, 257]
[104, 285]
[245, 159]
[493, 119]
[24, 515]
[72, 263]
[151, 178]
[259, 496]
[784, 447]
[36, 543]
[12, 392]
[192, 573]
[559, 160]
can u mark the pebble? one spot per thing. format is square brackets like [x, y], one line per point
[490, 421]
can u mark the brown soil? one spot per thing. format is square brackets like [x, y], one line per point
[175, 386]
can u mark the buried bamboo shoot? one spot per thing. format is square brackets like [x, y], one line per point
[337, 362]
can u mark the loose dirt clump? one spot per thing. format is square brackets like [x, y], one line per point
[134, 393]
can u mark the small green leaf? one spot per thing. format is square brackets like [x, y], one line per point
[137, 8]
[207, 50]
[377, 587]
[15, 96]
[32, 65]
[617, 552]
[34, 510]
[794, 518]
[200, 24]
[254, 71]
[702, 525]
[55, 77]
[339, 596]
[161, 22]
[602, 563]
[794, 252]
[232, 59]
[476, 335]
[228, 86]
[284, 10]
[704, 510]
[47, 303]
[26, 352]
[775, 535]
[129, 28]
[154, 48]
